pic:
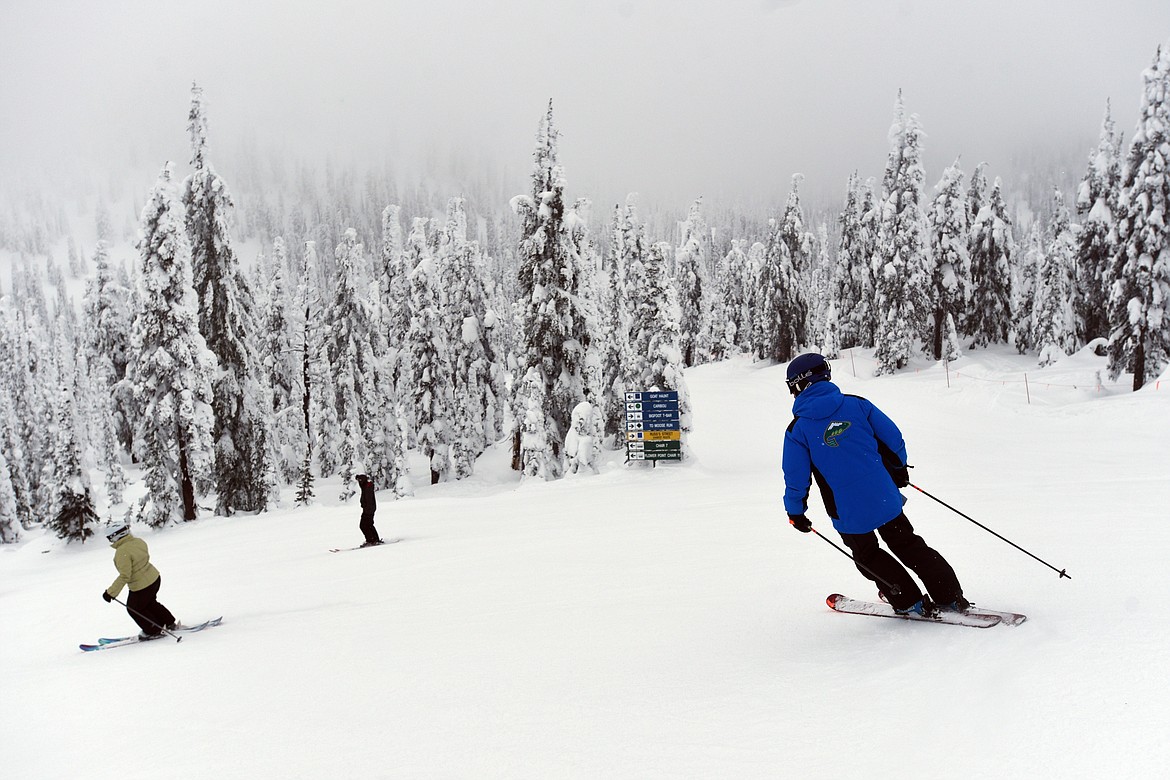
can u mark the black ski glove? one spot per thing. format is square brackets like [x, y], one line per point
[800, 523]
[901, 475]
[107, 597]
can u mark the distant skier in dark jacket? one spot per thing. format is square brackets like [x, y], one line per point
[132, 560]
[858, 458]
[369, 506]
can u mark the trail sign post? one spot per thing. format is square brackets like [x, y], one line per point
[652, 426]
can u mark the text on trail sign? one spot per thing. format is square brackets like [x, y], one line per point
[653, 426]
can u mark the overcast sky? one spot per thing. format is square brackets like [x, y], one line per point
[671, 98]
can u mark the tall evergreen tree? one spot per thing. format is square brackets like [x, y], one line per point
[989, 316]
[10, 515]
[902, 261]
[586, 314]
[691, 262]
[476, 395]
[656, 341]
[430, 363]
[853, 277]
[363, 389]
[949, 235]
[106, 309]
[170, 370]
[799, 243]
[976, 197]
[244, 471]
[554, 329]
[75, 518]
[735, 292]
[9, 521]
[314, 392]
[626, 246]
[780, 313]
[280, 369]
[824, 322]
[395, 289]
[1053, 320]
[1024, 291]
[1139, 300]
[23, 419]
[722, 326]
[1097, 200]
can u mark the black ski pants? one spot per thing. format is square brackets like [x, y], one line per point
[143, 607]
[367, 528]
[891, 576]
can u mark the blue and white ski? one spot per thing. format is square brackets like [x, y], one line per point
[107, 642]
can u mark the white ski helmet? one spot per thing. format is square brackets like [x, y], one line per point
[118, 531]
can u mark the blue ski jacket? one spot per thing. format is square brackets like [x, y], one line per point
[845, 443]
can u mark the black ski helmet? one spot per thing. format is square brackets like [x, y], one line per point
[806, 369]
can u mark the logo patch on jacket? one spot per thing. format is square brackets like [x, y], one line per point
[835, 429]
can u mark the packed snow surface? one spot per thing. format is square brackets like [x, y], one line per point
[645, 622]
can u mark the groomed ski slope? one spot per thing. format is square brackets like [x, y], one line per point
[661, 623]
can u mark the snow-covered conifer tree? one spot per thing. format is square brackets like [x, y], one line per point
[1054, 324]
[656, 318]
[780, 312]
[949, 235]
[74, 518]
[902, 261]
[792, 230]
[585, 303]
[1096, 205]
[9, 521]
[23, 422]
[824, 321]
[106, 310]
[976, 197]
[280, 368]
[244, 470]
[853, 280]
[315, 391]
[1139, 299]
[1025, 276]
[170, 369]
[554, 329]
[625, 244]
[755, 331]
[430, 366]
[734, 290]
[989, 314]
[691, 262]
[395, 288]
[363, 391]
[475, 395]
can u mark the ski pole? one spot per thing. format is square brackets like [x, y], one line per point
[893, 590]
[1061, 572]
[148, 620]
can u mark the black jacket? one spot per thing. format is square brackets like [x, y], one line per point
[369, 503]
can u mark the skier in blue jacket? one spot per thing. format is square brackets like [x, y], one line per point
[858, 458]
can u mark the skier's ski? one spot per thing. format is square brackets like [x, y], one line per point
[365, 546]
[108, 642]
[180, 630]
[1006, 618]
[840, 603]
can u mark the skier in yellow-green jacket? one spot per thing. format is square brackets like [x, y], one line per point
[132, 560]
